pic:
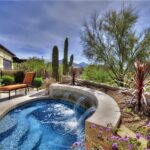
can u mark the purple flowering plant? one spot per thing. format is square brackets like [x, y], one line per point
[115, 142]
[77, 145]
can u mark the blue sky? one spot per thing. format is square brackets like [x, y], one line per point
[32, 28]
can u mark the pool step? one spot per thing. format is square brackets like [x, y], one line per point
[34, 135]
[7, 126]
[32, 141]
[54, 142]
[12, 142]
[52, 146]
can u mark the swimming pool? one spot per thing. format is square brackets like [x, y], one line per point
[43, 125]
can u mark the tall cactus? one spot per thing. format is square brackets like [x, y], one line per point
[55, 63]
[66, 65]
[71, 60]
[65, 60]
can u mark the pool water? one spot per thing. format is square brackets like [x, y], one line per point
[42, 125]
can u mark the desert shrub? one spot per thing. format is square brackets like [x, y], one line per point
[148, 84]
[6, 80]
[96, 73]
[19, 76]
[148, 89]
[33, 64]
[37, 82]
[8, 72]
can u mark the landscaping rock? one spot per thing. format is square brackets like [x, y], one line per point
[137, 118]
[65, 79]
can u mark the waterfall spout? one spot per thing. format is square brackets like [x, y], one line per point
[78, 103]
[86, 114]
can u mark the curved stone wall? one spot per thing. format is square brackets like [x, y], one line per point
[107, 110]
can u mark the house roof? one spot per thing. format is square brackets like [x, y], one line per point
[15, 58]
[8, 51]
[18, 60]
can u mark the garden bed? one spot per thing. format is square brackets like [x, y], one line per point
[134, 122]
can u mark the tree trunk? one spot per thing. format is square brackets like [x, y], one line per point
[139, 100]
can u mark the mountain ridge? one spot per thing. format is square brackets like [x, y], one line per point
[81, 64]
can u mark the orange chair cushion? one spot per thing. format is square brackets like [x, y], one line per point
[29, 78]
[12, 87]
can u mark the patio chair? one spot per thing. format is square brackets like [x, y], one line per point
[27, 82]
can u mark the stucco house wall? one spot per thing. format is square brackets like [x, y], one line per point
[5, 55]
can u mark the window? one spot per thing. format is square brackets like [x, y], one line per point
[6, 64]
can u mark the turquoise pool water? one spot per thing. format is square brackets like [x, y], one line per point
[42, 125]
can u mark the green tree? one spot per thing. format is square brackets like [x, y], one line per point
[96, 73]
[55, 63]
[113, 40]
[33, 64]
[37, 82]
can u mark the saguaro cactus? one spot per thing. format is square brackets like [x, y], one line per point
[66, 65]
[65, 60]
[71, 60]
[55, 63]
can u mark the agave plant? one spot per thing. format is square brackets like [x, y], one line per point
[138, 101]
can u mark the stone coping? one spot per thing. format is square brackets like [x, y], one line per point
[8, 105]
[107, 110]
